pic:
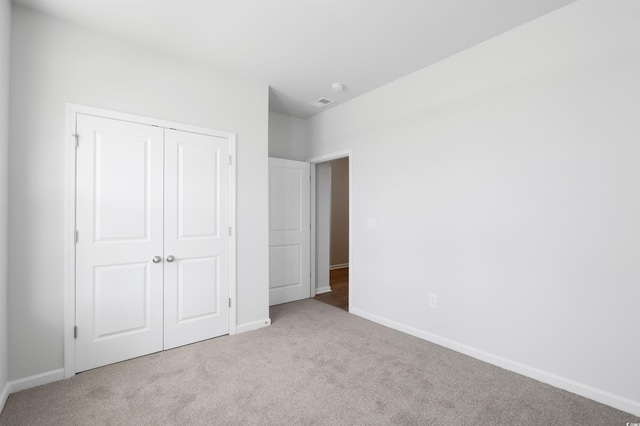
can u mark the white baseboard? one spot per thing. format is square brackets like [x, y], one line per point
[36, 380]
[599, 395]
[3, 396]
[29, 382]
[324, 289]
[243, 328]
[338, 266]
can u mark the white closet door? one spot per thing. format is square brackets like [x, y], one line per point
[119, 207]
[196, 237]
[289, 231]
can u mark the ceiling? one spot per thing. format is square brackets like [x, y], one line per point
[300, 47]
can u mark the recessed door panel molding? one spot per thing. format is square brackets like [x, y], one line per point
[122, 199]
[284, 266]
[198, 190]
[285, 192]
[124, 289]
[153, 248]
[197, 297]
[289, 231]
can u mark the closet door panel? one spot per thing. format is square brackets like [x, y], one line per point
[119, 205]
[196, 237]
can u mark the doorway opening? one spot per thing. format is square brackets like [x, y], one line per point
[339, 294]
[331, 243]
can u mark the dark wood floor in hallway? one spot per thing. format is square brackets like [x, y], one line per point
[339, 294]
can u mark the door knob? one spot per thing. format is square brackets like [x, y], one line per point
[170, 259]
[157, 259]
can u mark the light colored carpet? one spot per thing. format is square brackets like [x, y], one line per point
[316, 365]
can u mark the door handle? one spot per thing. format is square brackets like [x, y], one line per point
[170, 259]
[157, 259]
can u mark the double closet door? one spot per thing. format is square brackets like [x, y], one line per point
[152, 250]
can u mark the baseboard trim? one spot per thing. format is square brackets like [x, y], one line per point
[338, 266]
[324, 289]
[36, 380]
[3, 396]
[599, 395]
[255, 325]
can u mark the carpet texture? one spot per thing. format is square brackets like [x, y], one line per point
[316, 365]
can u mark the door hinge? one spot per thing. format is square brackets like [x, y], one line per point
[229, 231]
[229, 302]
[75, 332]
[75, 236]
[230, 160]
[75, 137]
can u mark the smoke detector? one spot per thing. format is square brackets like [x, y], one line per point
[337, 87]
[322, 102]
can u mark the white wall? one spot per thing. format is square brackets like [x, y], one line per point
[287, 137]
[54, 62]
[340, 212]
[5, 37]
[505, 180]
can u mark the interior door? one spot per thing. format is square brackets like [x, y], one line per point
[196, 237]
[289, 231]
[119, 289]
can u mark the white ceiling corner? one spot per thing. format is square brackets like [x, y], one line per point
[300, 47]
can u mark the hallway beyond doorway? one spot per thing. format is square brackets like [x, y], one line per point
[339, 294]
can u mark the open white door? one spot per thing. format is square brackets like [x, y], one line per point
[289, 231]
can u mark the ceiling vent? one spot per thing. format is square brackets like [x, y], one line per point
[322, 102]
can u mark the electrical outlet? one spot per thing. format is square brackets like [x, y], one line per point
[433, 300]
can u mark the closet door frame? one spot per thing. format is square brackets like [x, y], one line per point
[70, 214]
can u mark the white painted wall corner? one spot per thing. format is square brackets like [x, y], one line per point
[29, 382]
[3, 396]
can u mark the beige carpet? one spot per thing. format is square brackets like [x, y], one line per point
[316, 365]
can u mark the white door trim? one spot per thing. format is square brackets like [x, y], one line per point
[321, 159]
[70, 214]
